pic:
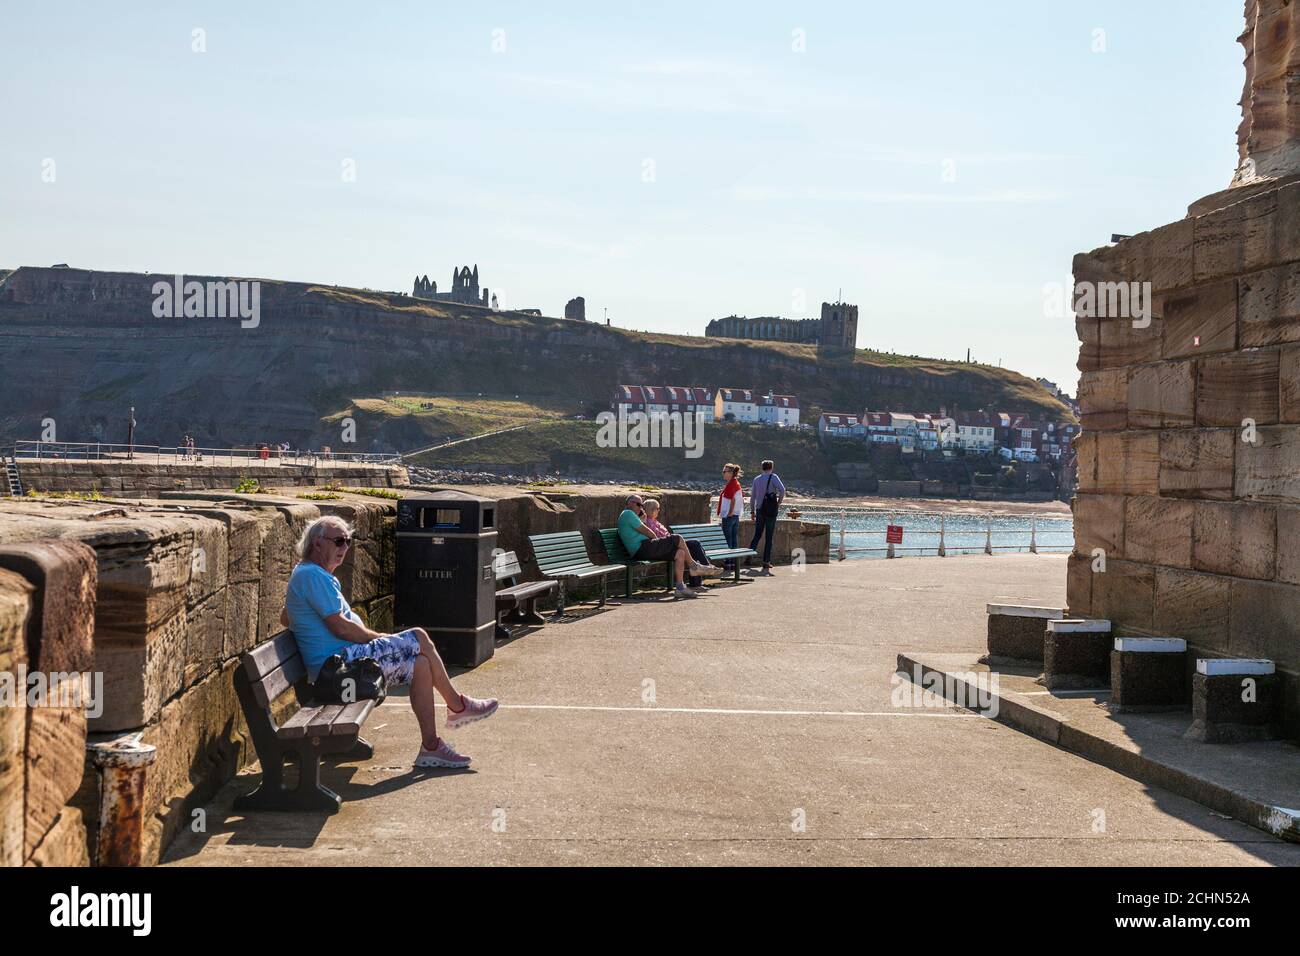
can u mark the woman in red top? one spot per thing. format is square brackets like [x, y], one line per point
[731, 504]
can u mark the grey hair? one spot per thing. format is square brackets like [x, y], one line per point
[650, 504]
[316, 530]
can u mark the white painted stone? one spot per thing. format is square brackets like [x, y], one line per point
[1211, 667]
[1076, 625]
[1152, 645]
[1027, 610]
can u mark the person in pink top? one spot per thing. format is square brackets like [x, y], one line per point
[651, 519]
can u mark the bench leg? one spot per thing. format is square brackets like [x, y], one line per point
[736, 568]
[628, 592]
[529, 615]
[310, 795]
[559, 608]
[604, 578]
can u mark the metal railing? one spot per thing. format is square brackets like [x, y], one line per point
[175, 454]
[943, 532]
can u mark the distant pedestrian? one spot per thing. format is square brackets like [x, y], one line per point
[731, 504]
[764, 505]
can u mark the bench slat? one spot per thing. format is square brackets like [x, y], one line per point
[265, 658]
[296, 726]
[527, 590]
[279, 681]
[351, 717]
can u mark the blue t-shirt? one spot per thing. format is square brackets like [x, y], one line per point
[314, 594]
[628, 522]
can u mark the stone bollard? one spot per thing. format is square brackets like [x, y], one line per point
[1235, 700]
[1017, 632]
[1148, 674]
[122, 763]
[1076, 653]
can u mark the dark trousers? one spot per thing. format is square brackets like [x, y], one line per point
[764, 525]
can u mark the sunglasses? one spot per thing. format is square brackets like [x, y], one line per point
[340, 542]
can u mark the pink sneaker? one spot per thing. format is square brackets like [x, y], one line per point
[475, 709]
[443, 756]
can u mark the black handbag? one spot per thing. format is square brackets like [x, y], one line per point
[771, 501]
[346, 683]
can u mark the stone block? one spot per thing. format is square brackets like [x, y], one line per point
[1193, 606]
[1161, 396]
[1122, 343]
[56, 755]
[1017, 632]
[1158, 531]
[1099, 523]
[1236, 538]
[1288, 374]
[140, 676]
[15, 606]
[1089, 332]
[60, 631]
[65, 844]
[205, 636]
[1103, 399]
[1078, 585]
[1085, 447]
[1270, 306]
[1148, 673]
[1269, 468]
[1235, 700]
[1128, 463]
[1264, 622]
[1125, 594]
[1197, 462]
[1200, 320]
[1076, 653]
[1233, 388]
[1288, 556]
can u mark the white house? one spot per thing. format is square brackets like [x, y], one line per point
[880, 428]
[735, 404]
[778, 409]
[836, 425]
[975, 431]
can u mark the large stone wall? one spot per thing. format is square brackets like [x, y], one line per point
[1189, 461]
[184, 587]
[141, 479]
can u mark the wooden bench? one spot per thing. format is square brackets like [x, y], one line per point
[563, 557]
[266, 673]
[617, 553]
[518, 601]
[714, 543]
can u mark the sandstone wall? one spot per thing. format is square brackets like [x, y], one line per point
[149, 478]
[1189, 461]
[183, 587]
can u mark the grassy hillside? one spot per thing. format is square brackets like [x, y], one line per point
[571, 447]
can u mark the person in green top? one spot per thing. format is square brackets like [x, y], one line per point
[643, 545]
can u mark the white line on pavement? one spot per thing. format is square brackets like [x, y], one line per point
[944, 712]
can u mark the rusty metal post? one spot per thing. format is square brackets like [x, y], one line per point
[122, 764]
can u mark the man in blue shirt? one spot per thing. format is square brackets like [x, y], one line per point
[323, 625]
[644, 545]
[764, 504]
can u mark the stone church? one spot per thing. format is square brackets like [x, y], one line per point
[837, 327]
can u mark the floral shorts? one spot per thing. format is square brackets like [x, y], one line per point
[396, 654]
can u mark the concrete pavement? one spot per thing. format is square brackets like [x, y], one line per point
[759, 724]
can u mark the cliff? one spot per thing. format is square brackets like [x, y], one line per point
[81, 347]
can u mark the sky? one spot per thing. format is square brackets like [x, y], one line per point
[937, 164]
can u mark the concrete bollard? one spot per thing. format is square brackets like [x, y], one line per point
[1148, 674]
[1018, 631]
[1235, 700]
[1076, 653]
[122, 763]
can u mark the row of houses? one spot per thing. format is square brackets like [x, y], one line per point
[1011, 434]
[714, 404]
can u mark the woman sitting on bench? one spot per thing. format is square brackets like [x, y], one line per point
[324, 624]
[650, 507]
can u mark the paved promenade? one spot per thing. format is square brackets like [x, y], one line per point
[752, 726]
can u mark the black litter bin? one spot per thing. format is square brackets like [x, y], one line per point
[445, 582]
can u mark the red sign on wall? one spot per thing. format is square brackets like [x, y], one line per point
[894, 534]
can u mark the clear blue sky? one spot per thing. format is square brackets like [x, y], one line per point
[938, 162]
